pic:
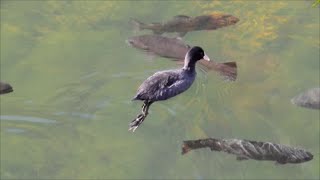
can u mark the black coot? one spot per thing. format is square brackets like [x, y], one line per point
[166, 84]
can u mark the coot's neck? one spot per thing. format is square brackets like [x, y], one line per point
[189, 65]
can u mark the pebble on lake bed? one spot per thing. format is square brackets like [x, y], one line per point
[245, 149]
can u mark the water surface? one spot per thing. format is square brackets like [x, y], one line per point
[69, 64]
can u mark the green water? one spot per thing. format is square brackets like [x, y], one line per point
[74, 76]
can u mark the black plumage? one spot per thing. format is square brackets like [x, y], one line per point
[166, 84]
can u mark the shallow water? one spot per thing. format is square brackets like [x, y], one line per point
[69, 64]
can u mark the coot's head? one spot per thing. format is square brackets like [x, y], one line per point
[196, 53]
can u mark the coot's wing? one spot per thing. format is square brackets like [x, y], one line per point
[157, 86]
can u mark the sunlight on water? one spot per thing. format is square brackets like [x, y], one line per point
[74, 76]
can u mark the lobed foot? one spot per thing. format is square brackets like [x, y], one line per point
[136, 122]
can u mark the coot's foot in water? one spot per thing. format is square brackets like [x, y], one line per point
[136, 122]
[140, 118]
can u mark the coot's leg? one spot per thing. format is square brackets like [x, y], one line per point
[140, 118]
[145, 107]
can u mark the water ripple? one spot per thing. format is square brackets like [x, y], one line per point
[15, 130]
[26, 118]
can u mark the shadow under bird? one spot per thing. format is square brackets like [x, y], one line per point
[5, 88]
[308, 99]
[166, 84]
[175, 48]
[183, 24]
[245, 149]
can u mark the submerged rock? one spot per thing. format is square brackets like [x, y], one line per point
[245, 149]
[5, 88]
[308, 99]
